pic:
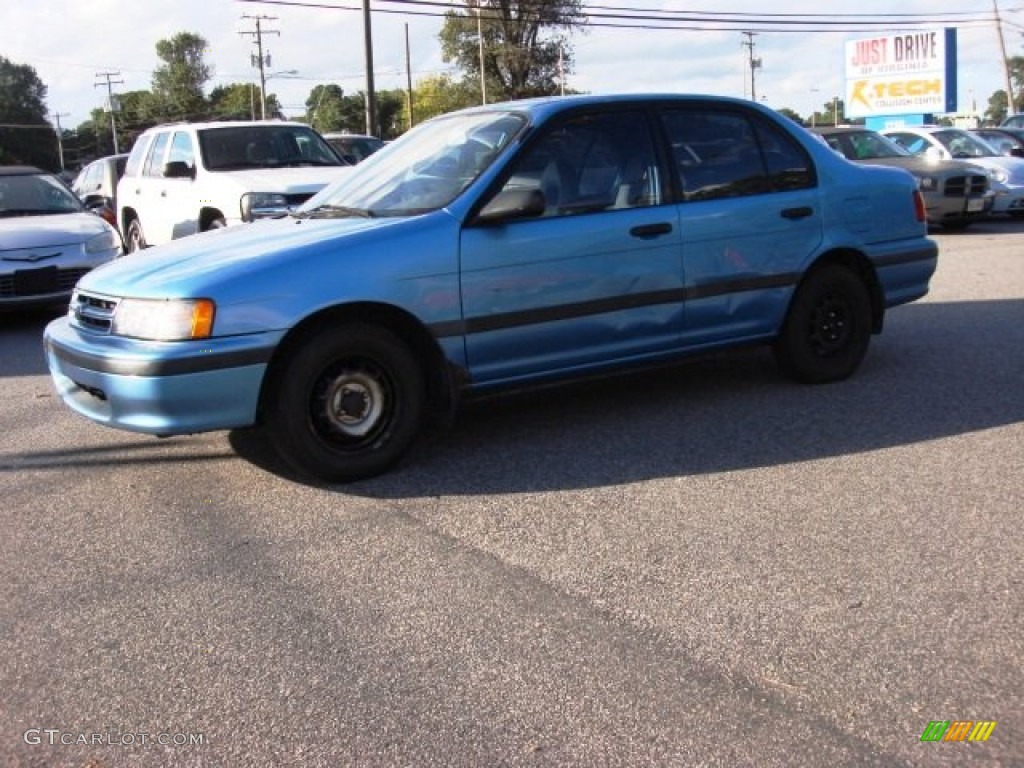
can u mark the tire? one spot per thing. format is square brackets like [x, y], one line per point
[346, 403]
[217, 223]
[134, 240]
[828, 327]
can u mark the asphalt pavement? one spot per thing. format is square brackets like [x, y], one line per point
[698, 565]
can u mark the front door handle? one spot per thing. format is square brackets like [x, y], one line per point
[651, 230]
[797, 213]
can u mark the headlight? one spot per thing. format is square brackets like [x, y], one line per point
[999, 174]
[927, 183]
[171, 320]
[260, 205]
[100, 243]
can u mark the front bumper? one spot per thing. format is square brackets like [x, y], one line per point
[159, 388]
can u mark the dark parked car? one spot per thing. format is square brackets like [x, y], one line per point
[354, 147]
[956, 193]
[496, 247]
[48, 240]
[96, 185]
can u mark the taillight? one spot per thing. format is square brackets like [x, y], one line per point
[919, 209]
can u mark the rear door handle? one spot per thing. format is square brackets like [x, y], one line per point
[651, 230]
[797, 213]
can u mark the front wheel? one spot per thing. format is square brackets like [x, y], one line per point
[134, 239]
[828, 327]
[346, 403]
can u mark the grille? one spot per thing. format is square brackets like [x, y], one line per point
[966, 186]
[66, 280]
[96, 313]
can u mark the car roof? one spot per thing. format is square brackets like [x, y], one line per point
[841, 129]
[227, 124]
[543, 106]
[21, 170]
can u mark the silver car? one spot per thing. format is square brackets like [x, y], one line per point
[941, 143]
[48, 239]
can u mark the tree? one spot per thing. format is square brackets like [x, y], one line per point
[178, 84]
[525, 48]
[328, 110]
[794, 116]
[998, 107]
[25, 136]
[240, 101]
[440, 94]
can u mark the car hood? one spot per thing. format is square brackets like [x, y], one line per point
[286, 180]
[922, 167]
[18, 233]
[192, 265]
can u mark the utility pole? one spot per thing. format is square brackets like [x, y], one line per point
[110, 101]
[754, 63]
[60, 136]
[371, 93]
[1010, 101]
[260, 60]
[408, 76]
[480, 40]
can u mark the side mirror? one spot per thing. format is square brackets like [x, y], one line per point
[510, 205]
[176, 169]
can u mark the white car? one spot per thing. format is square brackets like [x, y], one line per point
[191, 177]
[941, 143]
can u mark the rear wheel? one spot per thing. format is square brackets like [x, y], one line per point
[346, 403]
[828, 327]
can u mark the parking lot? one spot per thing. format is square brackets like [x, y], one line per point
[703, 564]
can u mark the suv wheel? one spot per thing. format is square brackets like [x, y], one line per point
[134, 239]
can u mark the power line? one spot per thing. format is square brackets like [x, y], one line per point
[690, 21]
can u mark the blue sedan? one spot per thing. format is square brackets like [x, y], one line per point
[499, 246]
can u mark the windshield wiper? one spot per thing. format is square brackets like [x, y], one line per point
[336, 212]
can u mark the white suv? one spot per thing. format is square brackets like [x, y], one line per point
[190, 177]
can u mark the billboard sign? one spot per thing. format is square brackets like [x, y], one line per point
[911, 73]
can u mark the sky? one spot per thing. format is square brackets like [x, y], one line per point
[70, 44]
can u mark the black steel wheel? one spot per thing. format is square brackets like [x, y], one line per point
[828, 327]
[346, 403]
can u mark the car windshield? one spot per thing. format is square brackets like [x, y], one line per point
[264, 146]
[963, 144]
[865, 145]
[35, 195]
[422, 171]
